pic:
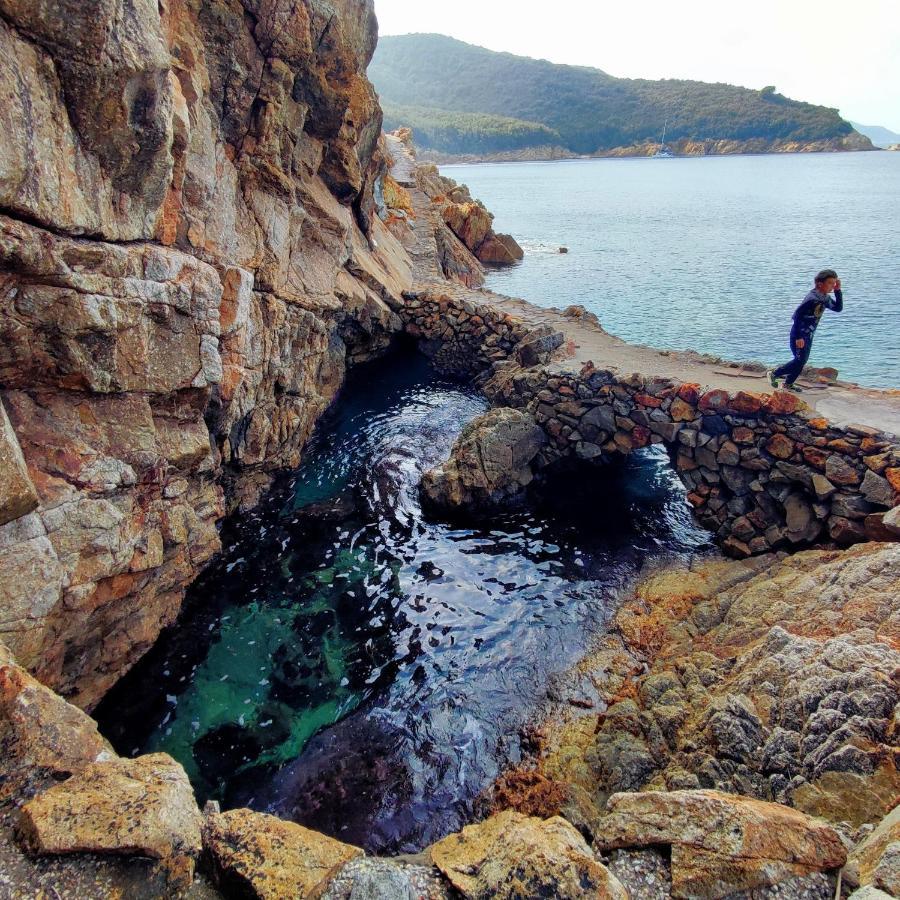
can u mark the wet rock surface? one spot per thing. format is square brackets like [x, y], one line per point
[489, 466]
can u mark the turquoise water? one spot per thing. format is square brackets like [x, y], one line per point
[356, 666]
[711, 253]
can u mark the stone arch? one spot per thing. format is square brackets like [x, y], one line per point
[760, 470]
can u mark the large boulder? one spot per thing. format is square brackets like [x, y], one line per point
[500, 249]
[42, 738]
[261, 856]
[469, 221]
[489, 465]
[143, 806]
[721, 843]
[512, 856]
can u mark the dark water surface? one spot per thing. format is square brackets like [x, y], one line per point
[357, 667]
[711, 253]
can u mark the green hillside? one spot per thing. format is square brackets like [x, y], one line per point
[455, 132]
[588, 109]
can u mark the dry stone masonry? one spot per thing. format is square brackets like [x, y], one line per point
[761, 470]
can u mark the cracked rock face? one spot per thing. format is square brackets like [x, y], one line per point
[772, 678]
[489, 465]
[189, 259]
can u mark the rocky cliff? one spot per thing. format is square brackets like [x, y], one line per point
[190, 257]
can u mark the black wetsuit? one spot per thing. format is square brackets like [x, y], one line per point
[806, 318]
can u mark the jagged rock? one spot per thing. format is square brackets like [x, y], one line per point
[259, 855]
[501, 249]
[720, 843]
[42, 738]
[800, 712]
[876, 859]
[18, 494]
[489, 464]
[469, 221]
[142, 806]
[510, 855]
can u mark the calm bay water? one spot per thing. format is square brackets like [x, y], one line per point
[710, 253]
[353, 665]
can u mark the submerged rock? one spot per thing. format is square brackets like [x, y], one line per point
[489, 465]
[513, 856]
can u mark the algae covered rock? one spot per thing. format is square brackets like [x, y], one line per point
[489, 465]
[512, 856]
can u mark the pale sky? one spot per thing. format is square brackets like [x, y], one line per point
[840, 53]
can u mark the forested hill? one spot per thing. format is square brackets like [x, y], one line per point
[435, 84]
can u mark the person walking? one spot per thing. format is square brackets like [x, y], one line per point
[806, 319]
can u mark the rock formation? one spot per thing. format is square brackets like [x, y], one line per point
[489, 465]
[189, 256]
[511, 856]
[469, 219]
[197, 236]
[773, 678]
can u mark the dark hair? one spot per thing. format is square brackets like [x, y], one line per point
[825, 274]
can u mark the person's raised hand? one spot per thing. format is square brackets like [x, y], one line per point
[837, 284]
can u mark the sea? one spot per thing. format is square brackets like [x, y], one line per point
[360, 666]
[710, 253]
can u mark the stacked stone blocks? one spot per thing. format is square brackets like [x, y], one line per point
[761, 470]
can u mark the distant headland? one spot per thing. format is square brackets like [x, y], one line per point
[466, 103]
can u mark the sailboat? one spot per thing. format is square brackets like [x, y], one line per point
[663, 152]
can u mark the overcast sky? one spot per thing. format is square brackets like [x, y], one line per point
[841, 53]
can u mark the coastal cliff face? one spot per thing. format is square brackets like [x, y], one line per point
[190, 255]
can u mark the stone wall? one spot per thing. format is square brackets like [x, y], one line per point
[760, 470]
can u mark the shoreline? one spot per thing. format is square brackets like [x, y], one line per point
[448, 160]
